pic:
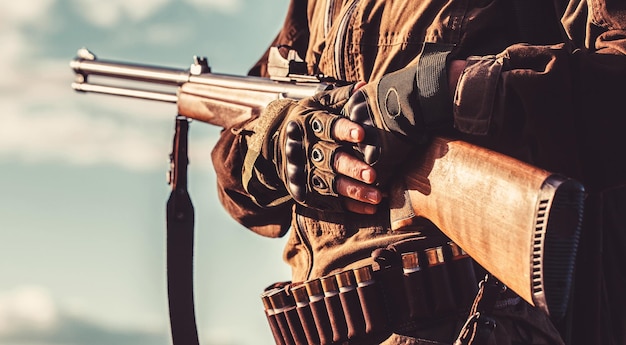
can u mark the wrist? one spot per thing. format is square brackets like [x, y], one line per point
[433, 83]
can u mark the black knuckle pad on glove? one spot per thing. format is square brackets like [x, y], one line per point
[294, 161]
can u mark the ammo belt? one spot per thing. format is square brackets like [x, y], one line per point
[402, 291]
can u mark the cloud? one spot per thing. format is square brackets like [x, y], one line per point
[27, 307]
[109, 13]
[13, 46]
[228, 6]
[44, 120]
[20, 13]
[15, 17]
[71, 137]
[160, 34]
[28, 314]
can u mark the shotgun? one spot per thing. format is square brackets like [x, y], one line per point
[521, 223]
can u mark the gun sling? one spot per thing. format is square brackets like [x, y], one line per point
[180, 239]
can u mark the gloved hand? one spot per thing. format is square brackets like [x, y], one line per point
[306, 149]
[400, 111]
[309, 146]
[295, 152]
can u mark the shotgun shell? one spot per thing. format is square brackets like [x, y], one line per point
[441, 288]
[411, 262]
[350, 303]
[462, 276]
[280, 305]
[303, 309]
[300, 295]
[270, 313]
[435, 256]
[329, 285]
[335, 309]
[346, 281]
[371, 301]
[314, 289]
[363, 276]
[279, 300]
[457, 252]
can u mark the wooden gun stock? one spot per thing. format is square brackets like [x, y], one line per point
[519, 222]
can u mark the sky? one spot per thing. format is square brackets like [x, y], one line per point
[83, 188]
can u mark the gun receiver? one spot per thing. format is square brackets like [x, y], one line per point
[521, 223]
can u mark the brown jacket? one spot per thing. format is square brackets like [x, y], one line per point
[546, 91]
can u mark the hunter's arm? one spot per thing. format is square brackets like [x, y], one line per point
[553, 105]
[231, 147]
[229, 152]
[540, 103]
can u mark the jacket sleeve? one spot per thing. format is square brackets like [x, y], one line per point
[227, 156]
[554, 105]
[598, 25]
[555, 108]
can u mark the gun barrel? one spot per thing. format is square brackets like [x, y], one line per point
[297, 88]
[162, 75]
[126, 92]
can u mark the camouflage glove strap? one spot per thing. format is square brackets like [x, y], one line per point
[399, 111]
[296, 138]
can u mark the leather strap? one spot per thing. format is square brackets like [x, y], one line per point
[180, 236]
[480, 323]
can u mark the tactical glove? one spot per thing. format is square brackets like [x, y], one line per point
[295, 140]
[400, 111]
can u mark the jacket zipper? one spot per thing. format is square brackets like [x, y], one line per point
[340, 41]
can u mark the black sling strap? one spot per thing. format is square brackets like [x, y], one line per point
[480, 324]
[180, 237]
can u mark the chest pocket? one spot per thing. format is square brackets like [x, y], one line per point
[368, 38]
